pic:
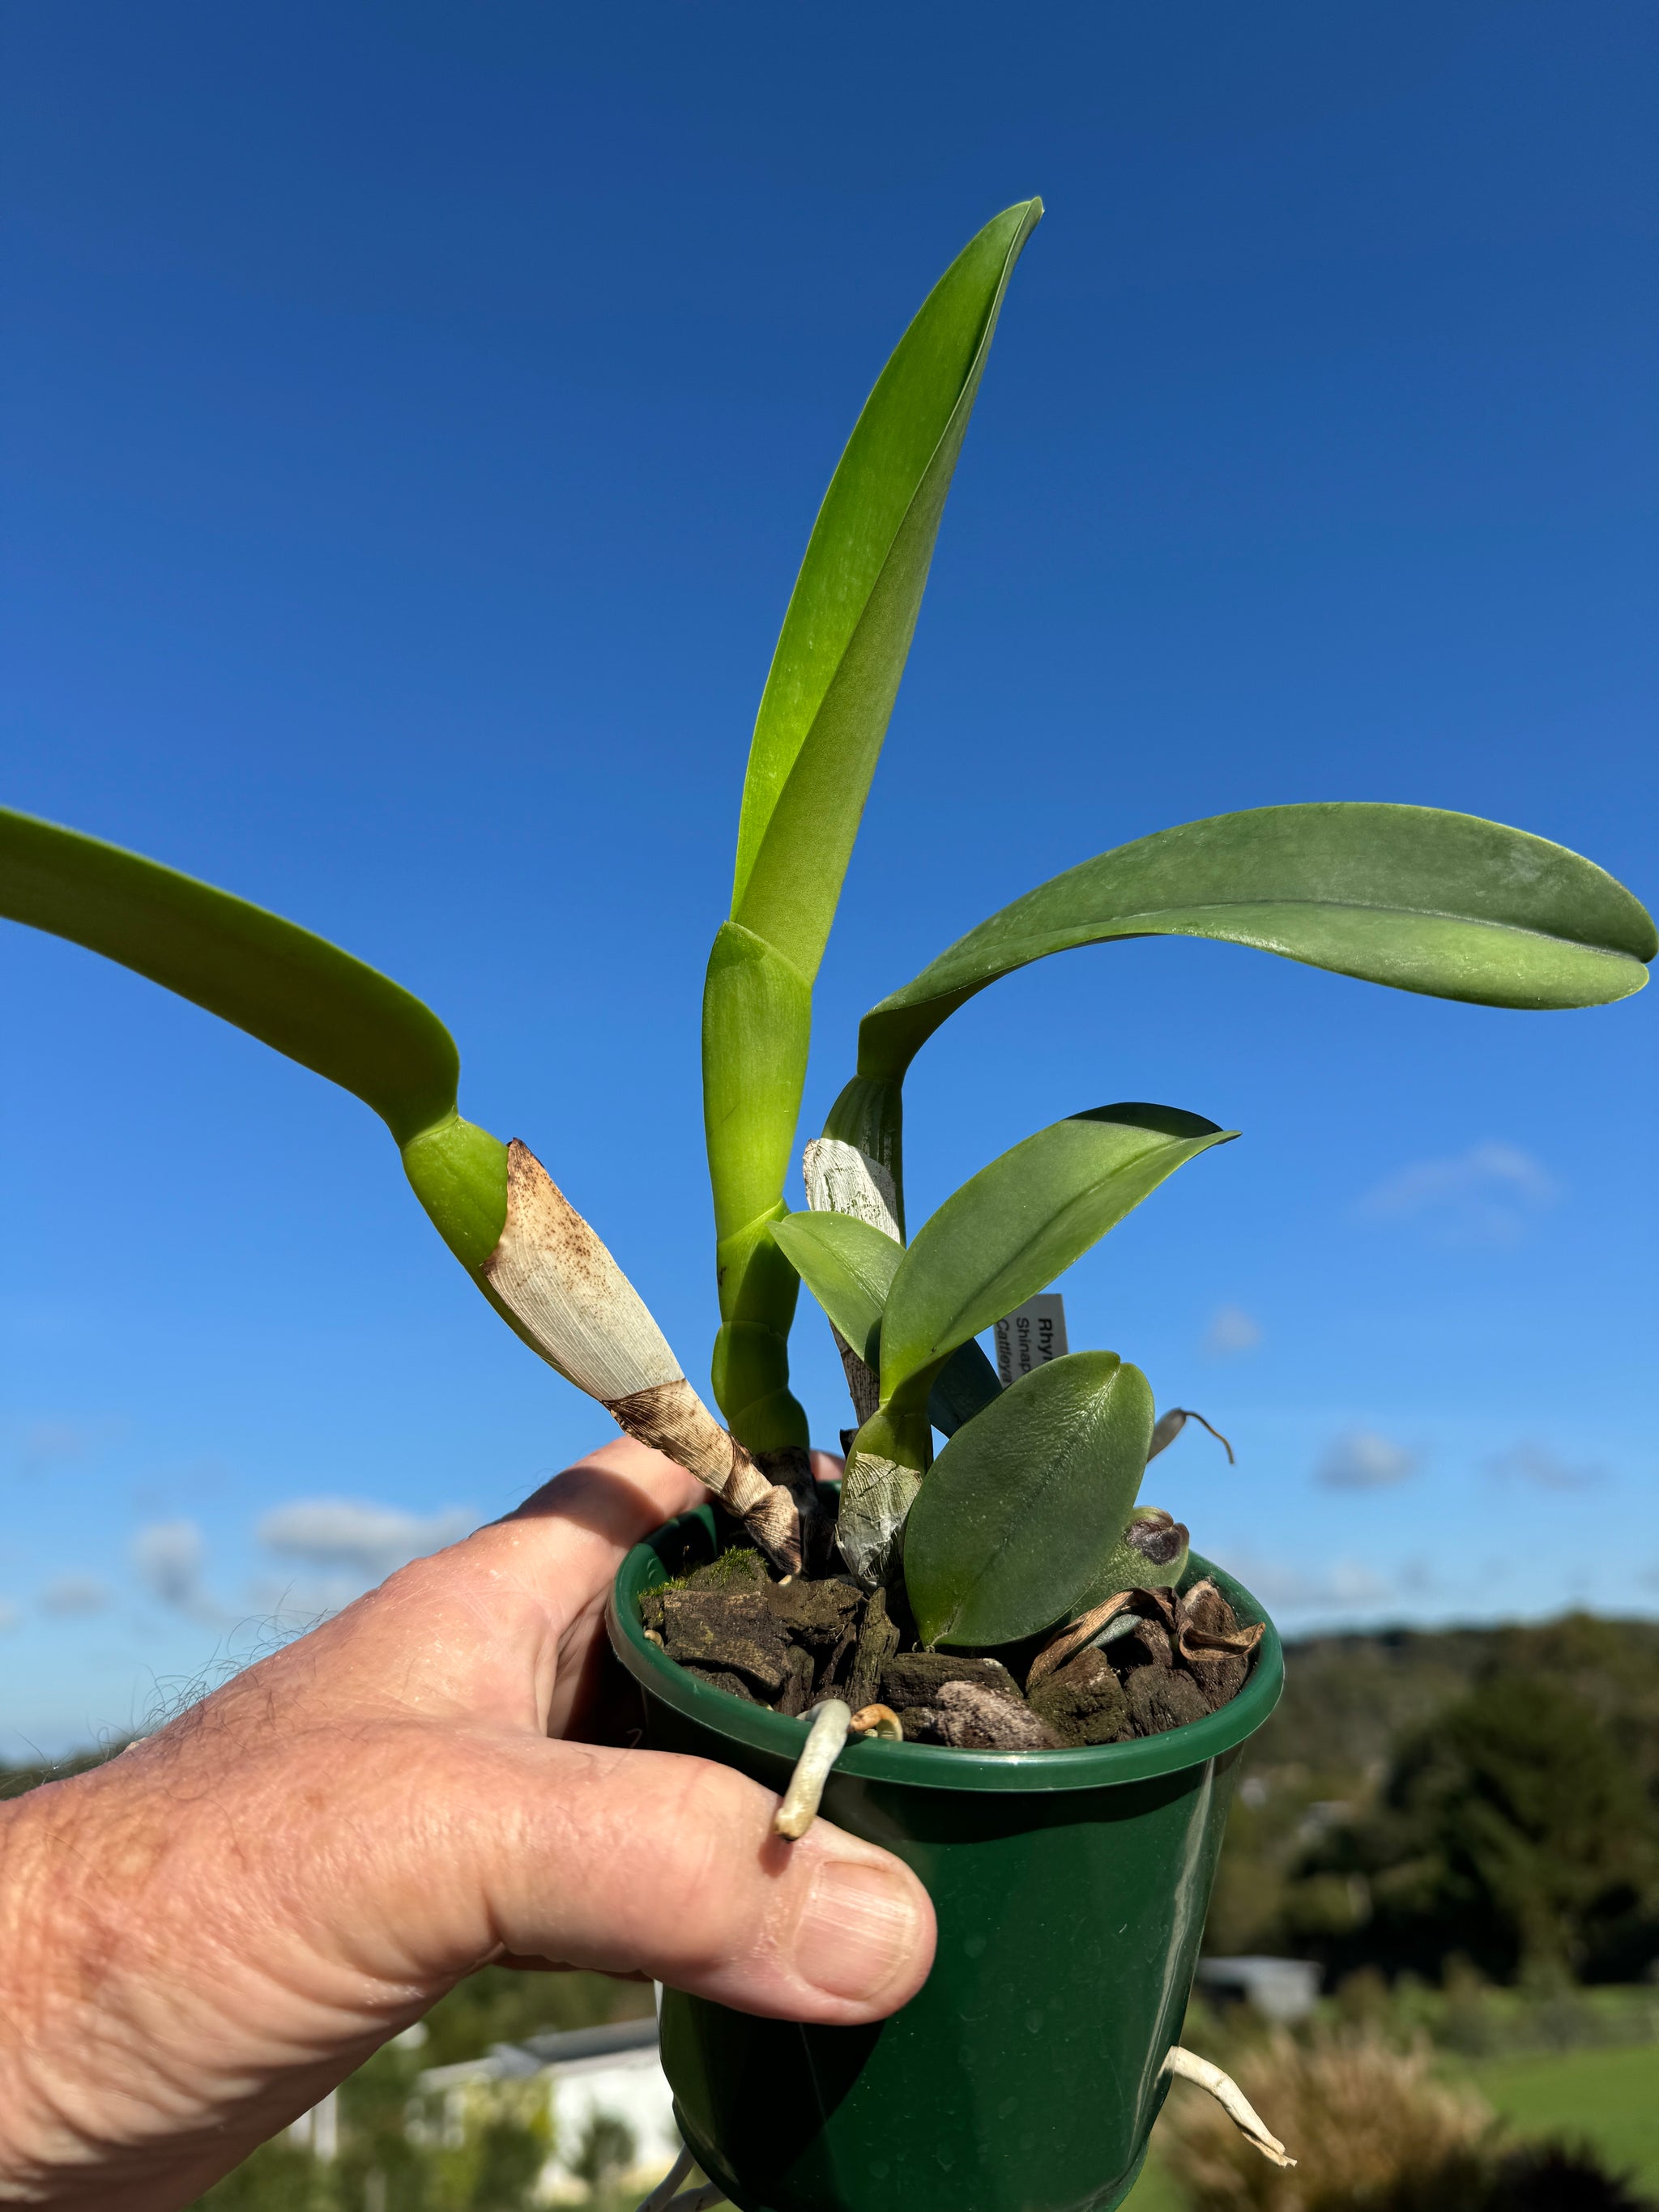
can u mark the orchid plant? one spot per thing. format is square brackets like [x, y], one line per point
[1029, 1515]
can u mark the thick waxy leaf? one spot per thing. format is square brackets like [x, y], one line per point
[849, 1267]
[757, 1023]
[1026, 1501]
[294, 991]
[847, 630]
[1423, 900]
[533, 1256]
[291, 990]
[822, 720]
[1020, 1222]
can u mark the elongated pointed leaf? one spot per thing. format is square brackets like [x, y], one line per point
[820, 728]
[293, 991]
[1446, 904]
[843, 649]
[1026, 1501]
[1022, 1221]
[849, 1267]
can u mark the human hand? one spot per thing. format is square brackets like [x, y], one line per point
[200, 1939]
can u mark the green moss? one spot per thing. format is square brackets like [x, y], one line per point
[741, 1568]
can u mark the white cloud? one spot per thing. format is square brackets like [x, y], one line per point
[1547, 1470]
[1483, 1196]
[1231, 1330]
[370, 1540]
[8, 1616]
[74, 1593]
[168, 1556]
[1362, 1460]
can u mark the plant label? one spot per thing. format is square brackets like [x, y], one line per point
[1031, 1336]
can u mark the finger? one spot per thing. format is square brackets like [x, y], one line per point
[639, 1861]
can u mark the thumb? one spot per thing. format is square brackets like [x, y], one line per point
[642, 1861]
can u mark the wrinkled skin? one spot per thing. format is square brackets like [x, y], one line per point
[201, 1938]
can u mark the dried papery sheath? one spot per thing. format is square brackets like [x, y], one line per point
[826, 1740]
[840, 1179]
[789, 1469]
[1170, 1424]
[862, 1386]
[1231, 2100]
[561, 1284]
[1202, 1643]
[876, 1497]
[1072, 1638]
[569, 1298]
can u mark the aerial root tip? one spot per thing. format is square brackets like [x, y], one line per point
[1231, 2100]
[825, 1741]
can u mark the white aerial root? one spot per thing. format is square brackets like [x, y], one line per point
[825, 1741]
[662, 2195]
[664, 2199]
[1231, 2100]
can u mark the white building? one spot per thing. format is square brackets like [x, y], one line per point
[612, 2071]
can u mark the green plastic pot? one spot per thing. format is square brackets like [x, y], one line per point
[1071, 1889]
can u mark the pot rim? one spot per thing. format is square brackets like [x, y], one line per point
[936, 1766]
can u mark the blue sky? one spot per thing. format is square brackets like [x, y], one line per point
[416, 415]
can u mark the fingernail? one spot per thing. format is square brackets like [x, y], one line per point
[858, 1925]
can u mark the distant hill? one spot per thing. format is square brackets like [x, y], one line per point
[1420, 1792]
[1423, 1793]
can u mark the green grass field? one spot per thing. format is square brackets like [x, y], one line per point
[1609, 2097]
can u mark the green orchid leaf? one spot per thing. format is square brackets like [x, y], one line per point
[1426, 901]
[847, 630]
[849, 1267]
[964, 1386]
[294, 991]
[1019, 1222]
[756, 1025]
[822, 719]
[1010, 1528]
[291, 990]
